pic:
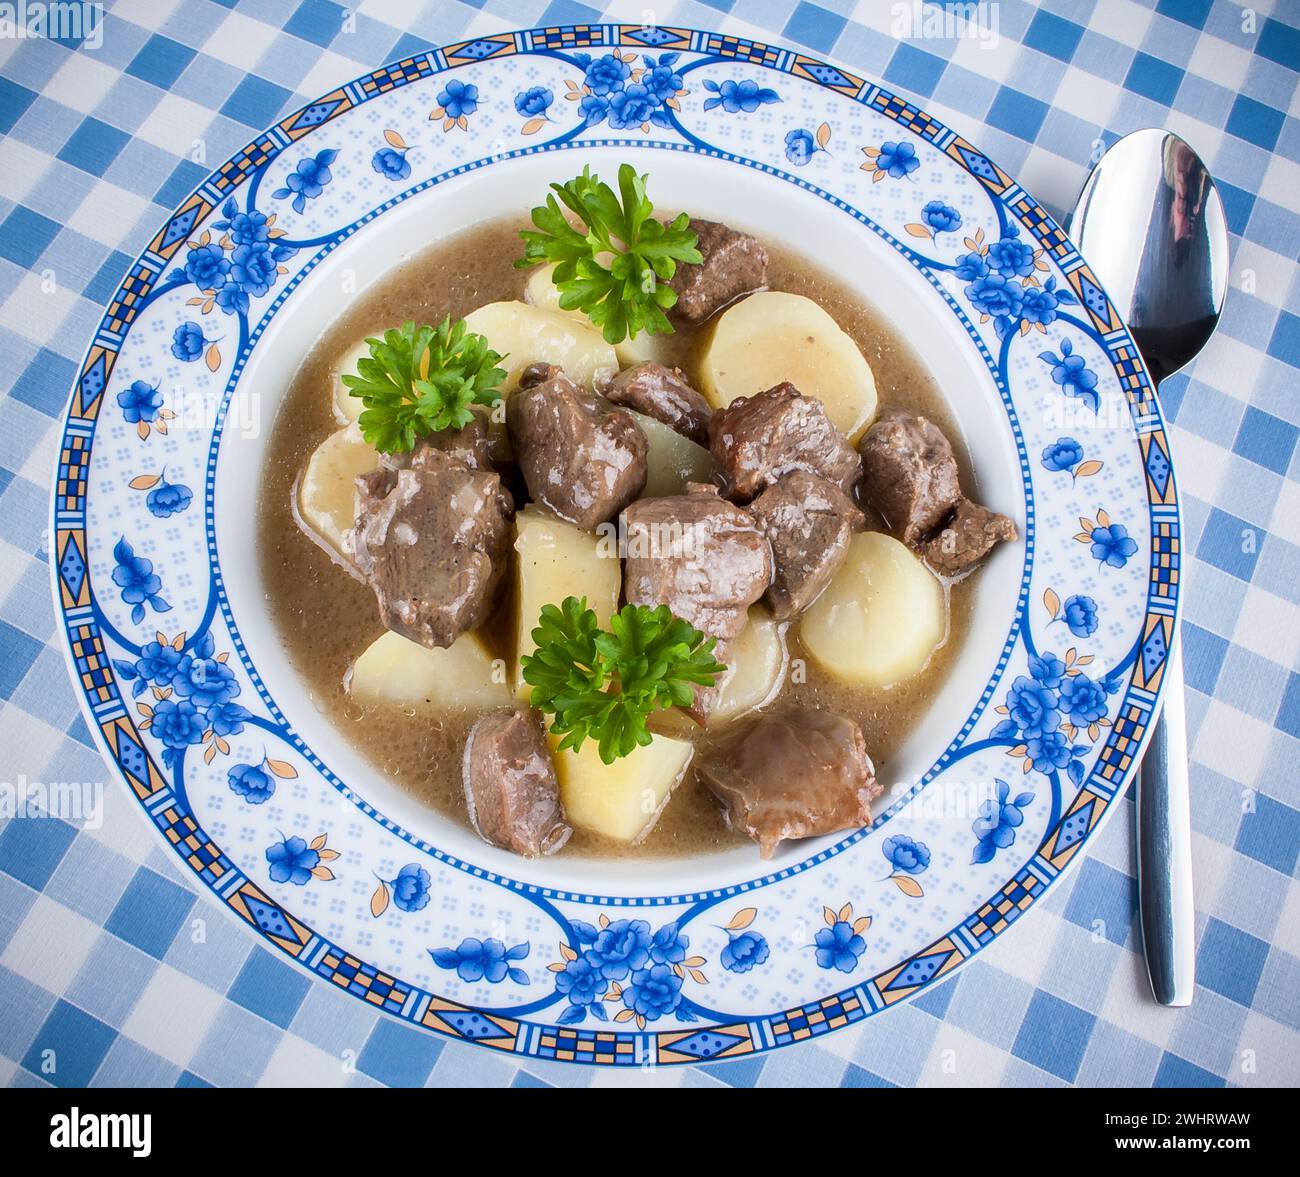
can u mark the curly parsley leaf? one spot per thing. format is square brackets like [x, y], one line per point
[604, 684]
[617, 267]
[419, 380]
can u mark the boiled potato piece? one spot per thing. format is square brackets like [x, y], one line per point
[623, 799]
[771, 337]
[557, 560]
[755, 668]
[327, 493]
[671, 459]
[347, 408]
[541, 291]
[645, 347]
[395, 669]
[525, 335]
[880, 618]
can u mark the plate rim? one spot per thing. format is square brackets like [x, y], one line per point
[771, 57]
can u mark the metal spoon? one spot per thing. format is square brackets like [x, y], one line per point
[1150, 224]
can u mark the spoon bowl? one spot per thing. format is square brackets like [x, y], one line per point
[1150, 222]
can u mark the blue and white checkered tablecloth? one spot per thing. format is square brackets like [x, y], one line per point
[98, 144]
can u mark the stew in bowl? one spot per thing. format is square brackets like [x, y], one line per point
[594, 589]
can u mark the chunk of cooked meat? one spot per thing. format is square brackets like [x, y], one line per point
[909, 474]
[511, 791]
[793, 773]
[809, 522]
[734, 263]
[434, 543]
[757, 439]
[705, 558]
[969, 534]
[538, 373]
[664, 394]
[581, 458]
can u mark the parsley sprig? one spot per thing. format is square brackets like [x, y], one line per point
[629, 291]
[603, 685]
[421, 380]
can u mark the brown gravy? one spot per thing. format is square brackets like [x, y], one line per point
[326, 619]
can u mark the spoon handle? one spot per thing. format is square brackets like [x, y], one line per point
[1164, 847]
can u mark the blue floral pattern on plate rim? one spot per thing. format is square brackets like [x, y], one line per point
[1073, 733]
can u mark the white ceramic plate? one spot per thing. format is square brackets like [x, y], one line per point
[195, 705]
